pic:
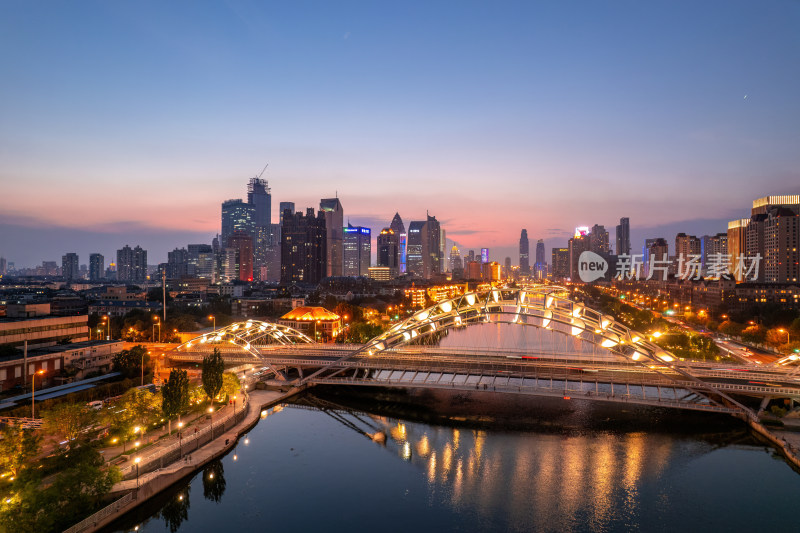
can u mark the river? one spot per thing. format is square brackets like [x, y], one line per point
[575, 469]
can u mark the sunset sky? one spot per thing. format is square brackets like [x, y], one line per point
[130, 122]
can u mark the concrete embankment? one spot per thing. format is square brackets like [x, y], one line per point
[134, 492]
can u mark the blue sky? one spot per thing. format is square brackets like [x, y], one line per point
[129, 122]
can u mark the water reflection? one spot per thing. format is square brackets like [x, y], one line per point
[176, 510]
[214, 481]
[527, 476]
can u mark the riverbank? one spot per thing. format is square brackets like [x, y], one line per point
[134, 492]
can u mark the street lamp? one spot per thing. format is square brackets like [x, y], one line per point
[180, 439]
[136, 462]
[158, 323]
[211, 411]
[142, 368]
[212, 317]
[33, 381]
[108, 330]
[788, 340]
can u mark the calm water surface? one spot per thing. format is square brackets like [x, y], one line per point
[309, 470]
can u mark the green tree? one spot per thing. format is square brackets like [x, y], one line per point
[68, 420]
[230, 385]
[17, 448]
[213, 367]
[129, 362]
[143, 405]
[175, 394]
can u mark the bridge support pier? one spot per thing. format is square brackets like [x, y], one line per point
[764, 403]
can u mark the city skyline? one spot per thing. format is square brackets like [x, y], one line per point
[599, 113]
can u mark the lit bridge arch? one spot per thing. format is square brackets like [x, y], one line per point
[245, 337]
[546, 307]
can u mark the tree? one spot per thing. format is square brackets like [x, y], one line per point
[143, 405]
[17, 447]
[129, 362]
[176, 510]
[213, 367]
[730, 328]
[175, 394]
[230, 384]
[68, 420]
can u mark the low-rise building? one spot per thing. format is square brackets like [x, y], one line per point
[32, 324]
[316, 322]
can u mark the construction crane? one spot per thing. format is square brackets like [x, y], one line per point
[262, 172]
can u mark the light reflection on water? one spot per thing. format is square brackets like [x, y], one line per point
[306, 471]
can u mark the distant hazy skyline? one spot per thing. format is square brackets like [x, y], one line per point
[130, 122]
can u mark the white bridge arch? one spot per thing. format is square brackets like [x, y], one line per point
[247, 336]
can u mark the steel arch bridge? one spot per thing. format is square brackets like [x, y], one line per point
[246, 337]
[546, 307]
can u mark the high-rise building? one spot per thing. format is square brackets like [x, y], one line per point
[472, 270]
[524, 254]
[388, 254]
[70, 266]
[96, 267]
[424, 248]
[541, 264]
[237, 216]
[686, 246]
[624, 236]
[711, 246]
[560, 263]
[507, 268]
[132, 264]
[286, 205]
[3, 266]
[334, 224]
[762, 206]
[400, 230]
[655, 250]
[484, 255]
[259, 196]
[442, 251]
[201, 261]
[578, 244]
[239, 257]
[357, 250]
[598, 240]
[782, 246]
[177, 263]
[303, 247]
[455, 259]
[737, 244]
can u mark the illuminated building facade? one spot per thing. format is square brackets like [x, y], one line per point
[400, 230]
[357, 250]
[560, 262]
[334, 224]
[524, 254]
[388, 251]
[623, 236]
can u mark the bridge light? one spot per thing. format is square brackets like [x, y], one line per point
[576, 311]
[548, 302]
[446, 307]
[496, 296]
[608, 343]
[636, 356]
[605, 322]
[657, 334]
[406, 336]
[470, 298]
[577, 326]
[666, 358]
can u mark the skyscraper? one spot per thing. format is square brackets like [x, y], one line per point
[239, 257]
[400, 230]
[737, 244]
[357, 250]
[201, 261]
[560, 262]
[284, 206]
[424, 247]
[132, 264]
[388, 244]
[237, 216]
[414, 253]
[69, 266]
[258, 195]
[96, 267]
[177, 263]
[624, 236]
[334, 224]
[456, 263]
[484, 255]
[303, 247]
[598, 240]
[577, 245]
[442, 250]
[524, 254]
[541, 264]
